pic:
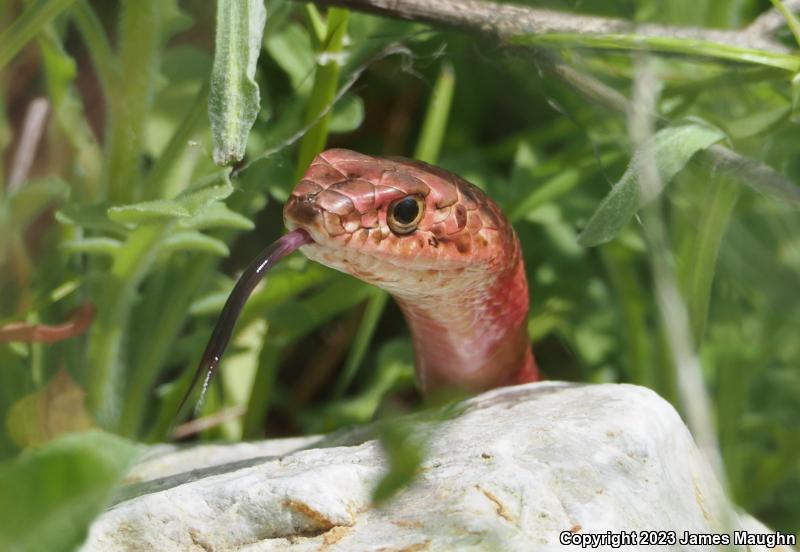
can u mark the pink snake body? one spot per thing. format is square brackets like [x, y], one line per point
[458, 277]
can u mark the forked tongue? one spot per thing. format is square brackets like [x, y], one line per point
[233, 307]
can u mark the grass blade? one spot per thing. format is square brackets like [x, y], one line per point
[372, 315]
[665, 44]
[791, 19]
[700, 253]
[27, 26]
[326, 82]
[129, 104]
[433, 129]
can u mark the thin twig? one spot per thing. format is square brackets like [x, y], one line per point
[762, 178]
[758, 176]
[501, 20]
[771, 20]
[671, 305]
[508, 21]
[201, 424]
[32, 130]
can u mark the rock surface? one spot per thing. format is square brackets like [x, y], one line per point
[516, 468]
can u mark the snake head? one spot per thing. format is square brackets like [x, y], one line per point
[400, 224]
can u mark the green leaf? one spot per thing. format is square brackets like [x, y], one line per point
[217, 215]
[234, 100]
[59, 66]
[55, 409]
[394, 371]
[697, 261]
[130, 265]
[50, 495]
[94, 36]
[671, 149]
[524, 178]
[405, 450]
[140, 33]
[289, 322]
[326, 82]
[191, 240]
[791, 19]
[28, 202]
[317, 25]
[348, 114]
[665, 44]
[279, 287]
[196, 199]
[118, 295]
[93, 246]
[435, 124]
[90, 217]
[23, 206]
[292, 320]
[757, 123]
[188, 204]
[60, 71]
[369, 321]
[28, 25]
[147, 211]
[169, 174]
[291, 50]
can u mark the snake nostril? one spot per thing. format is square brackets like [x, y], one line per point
[303, 209]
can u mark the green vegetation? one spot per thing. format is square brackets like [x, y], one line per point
[119, 205]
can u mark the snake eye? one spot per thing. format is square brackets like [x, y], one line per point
[404, 214]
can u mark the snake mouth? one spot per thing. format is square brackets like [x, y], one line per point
[328, 231]
[304, 213]
[302, 210]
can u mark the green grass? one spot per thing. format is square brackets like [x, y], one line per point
[124, 207]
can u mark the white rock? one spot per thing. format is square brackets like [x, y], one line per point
[514, 470]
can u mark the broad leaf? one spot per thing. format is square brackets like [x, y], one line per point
[234, 101]
[670, 149]
[58, 408]
[50, 495]
[404, 447]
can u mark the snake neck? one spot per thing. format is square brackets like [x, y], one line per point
[474, 336]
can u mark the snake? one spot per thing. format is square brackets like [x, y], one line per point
[435, 242]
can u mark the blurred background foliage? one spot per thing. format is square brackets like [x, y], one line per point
[119, 205]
